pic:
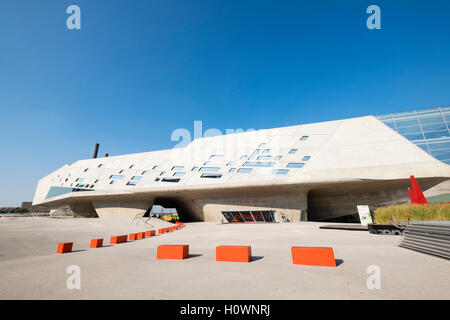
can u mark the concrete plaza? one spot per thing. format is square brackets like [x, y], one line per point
[30, 268]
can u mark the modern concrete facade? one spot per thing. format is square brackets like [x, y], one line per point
[306, 172]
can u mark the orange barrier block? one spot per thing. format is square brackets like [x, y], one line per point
[234, 253]
[313, 256]
[118, 239]
[166, 230]
[141, 235]
[172, 251]
[175, 227]
[150, 233]
[64, 247]
[132, 236]
[161, 231]
[96, 243]
[180, 224]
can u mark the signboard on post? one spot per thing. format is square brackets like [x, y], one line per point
[364, 215]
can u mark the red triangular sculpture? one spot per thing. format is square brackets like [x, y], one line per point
[416, 194]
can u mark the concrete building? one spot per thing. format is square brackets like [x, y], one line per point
[306, 172]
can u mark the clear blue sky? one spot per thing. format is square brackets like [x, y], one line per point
[139, 69]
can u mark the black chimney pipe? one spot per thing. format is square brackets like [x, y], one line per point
[94, 155]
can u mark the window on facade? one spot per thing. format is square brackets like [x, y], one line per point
[85, 170]
[157, 179]
[136, 178]
[304, 138]
[292, 151]
[216, 157]
[277, 158]
[96, 181]
[194, 168]
[232, 170]
[264, 158]
[179, 174]
[229, 164]
[243, 157]
[170, 179]
[244, 170]
[266, 151]
[131, 183]
[162, 173]
[79, 185]
[211, 175]
[79, 180]
[209, 169]
[262, 145]
[306, 158]
[254, 154]
[295, 165]
[155, 167]
[99, 165]
[121, 171]
[115, 176]
[177, 168]
[112, 182]
[280, 171]
[131, 167]
[206, 163]
[144, 173]
[258, 164]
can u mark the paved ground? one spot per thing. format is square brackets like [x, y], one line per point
[30, 268]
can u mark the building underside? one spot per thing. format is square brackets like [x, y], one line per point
[313, 172]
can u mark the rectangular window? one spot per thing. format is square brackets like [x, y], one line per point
[216, 157]
[96, 181]
[194, 168]
[85, 170]
[254, 154]
[170, 179]
[115, 176]
[295, 165]
[162, 173]
[304, 138]
[431, 120]
[99, 165]
[266, 151]
[80, 180]
[155, 167]
[229, 164]
[179, 174]
[434, 127]
[209, 169]
[280, 171]
[244, 170]
[144, 173]
[264, 158]
[136, 178]
[437, 134]
[131, 183]
[211, 175]
[306, 158]
[232, 170]
[131, 167]
[120, 171]
[414, 136]
[79, 185]
[243, 157]
[277, 158]
[292, 151]
[258, 164]
[112, 182]
[408, 130]
[177, 168]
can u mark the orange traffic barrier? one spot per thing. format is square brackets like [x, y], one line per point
[172, 251]
[234, 253]
[180, 224]
[161, 231]
[96, 243]
[118, 239]
[313, 256]
[141, 235]
[175, 227]
[150, 233]
[166, 230]
[64, 247]
[132, 236]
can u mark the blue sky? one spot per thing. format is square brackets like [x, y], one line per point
[137, 70]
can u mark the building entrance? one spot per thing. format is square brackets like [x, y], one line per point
[249, 216]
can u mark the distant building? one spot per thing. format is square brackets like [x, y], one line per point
[311, 172]
[35, 209]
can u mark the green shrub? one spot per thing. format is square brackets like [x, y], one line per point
[408, 212]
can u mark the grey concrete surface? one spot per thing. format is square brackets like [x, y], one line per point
[30, 268]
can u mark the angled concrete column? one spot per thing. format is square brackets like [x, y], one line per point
[121, 208]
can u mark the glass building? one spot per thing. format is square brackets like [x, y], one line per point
[427, 128]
